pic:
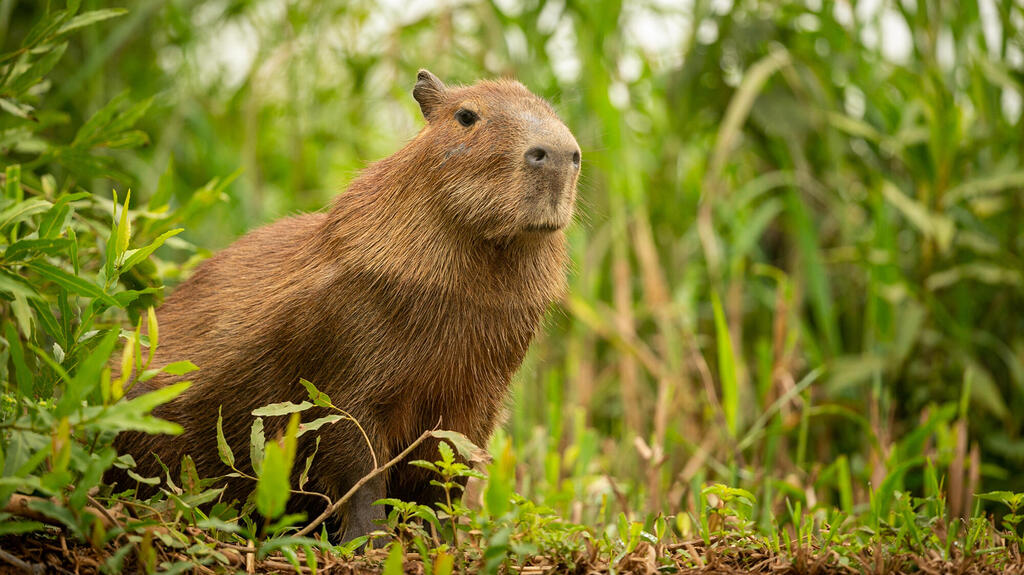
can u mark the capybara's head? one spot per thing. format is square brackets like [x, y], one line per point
[504, 163]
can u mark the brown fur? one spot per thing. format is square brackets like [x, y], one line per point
[414, 298]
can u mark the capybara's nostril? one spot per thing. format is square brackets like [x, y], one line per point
[576, 159]
[537, 156]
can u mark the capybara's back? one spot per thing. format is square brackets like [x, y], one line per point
[412, 300]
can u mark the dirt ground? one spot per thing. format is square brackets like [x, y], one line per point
[45, 554]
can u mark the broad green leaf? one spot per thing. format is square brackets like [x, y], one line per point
[318, 397]
[223, 449]
[179, 367]
[87, 376]
[273, 487]
[393, 564]
[466, 448]
[257, 445]
[73, 284]
[283, 408]
[15, 285]
[12, 527]
[132, 415]
[51, 224]
[21, 211]
[318, 423]
[49, 247]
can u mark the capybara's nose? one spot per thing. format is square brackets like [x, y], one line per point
[547, 157]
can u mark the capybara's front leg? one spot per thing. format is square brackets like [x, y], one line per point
[361, 515]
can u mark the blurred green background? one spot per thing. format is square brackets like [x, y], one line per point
[798, 265]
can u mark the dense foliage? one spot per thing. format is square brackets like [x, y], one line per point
[798, 266]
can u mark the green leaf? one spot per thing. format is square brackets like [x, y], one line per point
[273, 487]
[12, 185]
[12, 107]
[223, 449]
[87, 376]
[46, 319]
[318, 423]
[73, 284]
[45, 246]
[34, 73]
[55, 219]
[13, 527]
[22, 373]
[137, 256]
[179, 367]
[318, 397]
[15, 285]
[90, 18]
[466, 448]
[90, 131]
[283, 408]
[124, 227]
[257, 445]
[726, 366]
[304, 476]
[393, 564]
[132, 415]
[164, 189]
[21, 211]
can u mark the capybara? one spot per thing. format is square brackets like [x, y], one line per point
[412, 300]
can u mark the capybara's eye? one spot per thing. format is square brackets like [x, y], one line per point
[466, 117]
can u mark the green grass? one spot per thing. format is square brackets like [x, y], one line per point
[793, 329]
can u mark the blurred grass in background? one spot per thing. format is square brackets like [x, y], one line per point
[798, 262]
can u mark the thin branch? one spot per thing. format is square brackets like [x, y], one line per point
[333, 508]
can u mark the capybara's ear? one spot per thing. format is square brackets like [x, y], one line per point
[429, 92]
